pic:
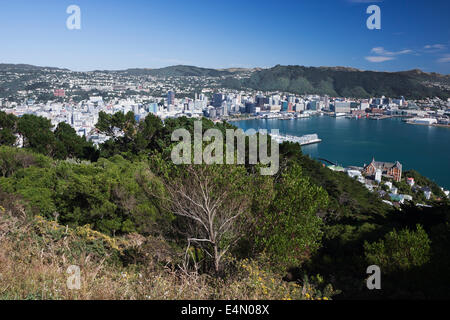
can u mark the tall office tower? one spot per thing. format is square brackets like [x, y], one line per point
[170, 98]
[326, 102]
[261, 100]
[217, 100]
[291, 99]
[313, 105]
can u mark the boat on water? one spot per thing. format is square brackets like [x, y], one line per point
[339, 114]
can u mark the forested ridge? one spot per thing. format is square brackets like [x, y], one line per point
[345, 82]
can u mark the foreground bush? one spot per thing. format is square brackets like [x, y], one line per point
[35, 254]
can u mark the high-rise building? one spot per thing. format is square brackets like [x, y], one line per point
[326, 101]
[300, 106]
[217, 100]
[291, 99]
[170, 98]
[274, 100]
[153, 107]
[313, 105]
[341, 107]
[364, 105]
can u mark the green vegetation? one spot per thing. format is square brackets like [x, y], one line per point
[37, 134]
[106, 194]
[289, 237]
[344, 82]
[178, 71]
[424, 182]
[400, 250]
[198, 231]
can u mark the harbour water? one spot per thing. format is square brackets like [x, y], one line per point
[356, 141]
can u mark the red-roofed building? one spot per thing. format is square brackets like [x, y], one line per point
[388, 169]
[59, 93]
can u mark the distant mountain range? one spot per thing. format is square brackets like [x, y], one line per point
[172, 71]
[333, 81]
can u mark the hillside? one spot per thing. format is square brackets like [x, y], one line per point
[8, 67]
[178, 71]
[332, 81]
[35, 255]
[348, 82]
[124, 214]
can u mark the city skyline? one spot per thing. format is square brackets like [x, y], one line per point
[115, 36]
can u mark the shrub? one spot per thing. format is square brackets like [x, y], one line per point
[291, 230]
[400, 251]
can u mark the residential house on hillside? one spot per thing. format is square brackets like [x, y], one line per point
[427, 192]
[388, 169]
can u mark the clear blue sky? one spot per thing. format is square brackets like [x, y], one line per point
[220, 34]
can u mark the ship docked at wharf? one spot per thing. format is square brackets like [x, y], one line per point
[303, 140]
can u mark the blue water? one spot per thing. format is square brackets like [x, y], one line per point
[356, 141]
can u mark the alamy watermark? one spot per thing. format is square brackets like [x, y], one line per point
[73, 22]
[213, 153]
[374, 21]
[74, 280]
[374, 281]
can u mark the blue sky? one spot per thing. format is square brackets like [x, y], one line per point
[221, 34]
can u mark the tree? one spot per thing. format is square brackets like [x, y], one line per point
[400, 251]
[37, 134]
[108, 124]
[107, 194]
[210, 199]
[148, 130]
[8, 124]
[14, 159]
[291, 229]
[71, 145]
[123, 130]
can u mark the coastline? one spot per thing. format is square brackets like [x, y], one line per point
[370, 118]
[430, 125]
[357, 142]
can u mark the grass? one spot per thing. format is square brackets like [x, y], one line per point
[35, 254]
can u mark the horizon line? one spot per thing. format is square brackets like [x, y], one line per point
[219, 69]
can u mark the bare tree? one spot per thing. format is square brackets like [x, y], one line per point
[212, 199]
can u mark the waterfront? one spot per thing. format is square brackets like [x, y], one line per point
[354, 142]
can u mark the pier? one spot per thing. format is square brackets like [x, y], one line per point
[303, 140]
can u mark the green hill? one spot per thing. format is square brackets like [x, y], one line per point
[8, 67]
[178, 71]
[349, 82]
